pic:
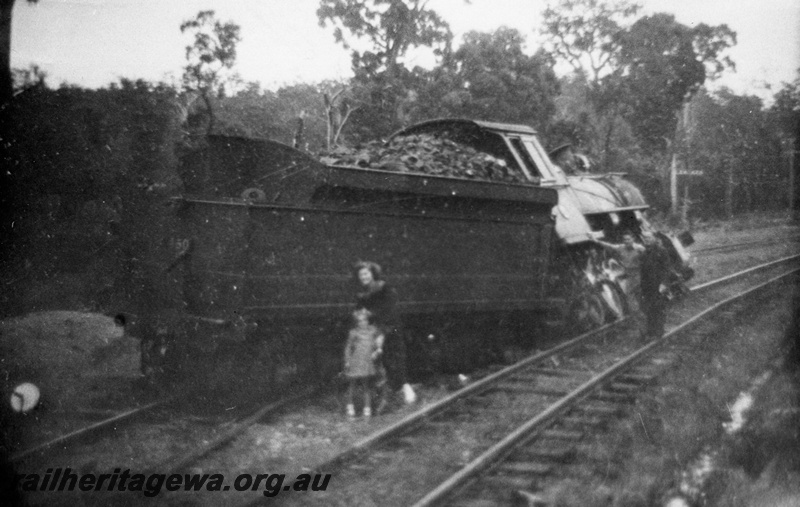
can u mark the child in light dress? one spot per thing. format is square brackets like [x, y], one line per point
[364, 347]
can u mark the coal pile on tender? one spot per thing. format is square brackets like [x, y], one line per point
[427, 154]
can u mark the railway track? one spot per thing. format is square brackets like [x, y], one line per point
[93, 427]
[539, 445]
[89, 431]
[546, 383]
[744, 245]
[115, 425]
[555, 395]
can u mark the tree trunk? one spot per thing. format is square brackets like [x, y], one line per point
[210, 110]
[607, 143]
[748, 195]
[6, 81]
[792, 180]
[794, 170]
[299, 140]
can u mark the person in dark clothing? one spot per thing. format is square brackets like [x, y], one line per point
[380, 299]
[655, 270]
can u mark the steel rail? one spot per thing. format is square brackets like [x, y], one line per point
[518, 436]
[783, 260]
[745, 244]
[180, 462]
[420, 415]
[88, 430]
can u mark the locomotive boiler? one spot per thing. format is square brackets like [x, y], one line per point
[258, 266]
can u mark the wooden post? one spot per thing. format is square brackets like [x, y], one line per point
[679, 146]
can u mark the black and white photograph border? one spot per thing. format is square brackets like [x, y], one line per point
[400, 252]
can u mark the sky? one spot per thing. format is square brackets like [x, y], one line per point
[92, 43]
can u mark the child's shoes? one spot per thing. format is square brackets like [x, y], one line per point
[351, 411]
[367, 412]
[409, 395]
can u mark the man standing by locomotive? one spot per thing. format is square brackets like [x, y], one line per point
[655, 270]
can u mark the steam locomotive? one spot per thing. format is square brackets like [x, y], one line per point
[255, 276]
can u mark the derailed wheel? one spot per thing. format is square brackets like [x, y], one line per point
[586, 312]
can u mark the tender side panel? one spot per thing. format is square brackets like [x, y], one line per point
[445, 243]
[435, 263]
[270, 261]
[217, 264]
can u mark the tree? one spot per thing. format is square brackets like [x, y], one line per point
[337, 111]
[786, 112]
[490, 77]
[663, 64]
[6, 78]
[210, 57]
[389, 29]
[737, 158]
[584, 33]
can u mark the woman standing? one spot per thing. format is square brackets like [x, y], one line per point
[380, 299]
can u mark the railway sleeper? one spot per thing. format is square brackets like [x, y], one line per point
[623, 387]
[478, 502]
[615, 397]
[583, 421]
[431, 428]
[636, 378]
[382, 455]
[546, 451]
[558, 393]
[448, 422]
[411, 441]
[543, 383]
[601, 409]
[504, 482]
[511, 386]
[562, 434]
[515, 388]
[396, 445]
[481, 400]
[556, 372]
[528, 468]
[522, 379]
[455, 416]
